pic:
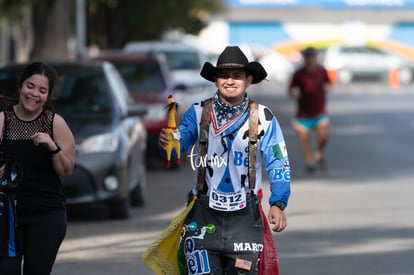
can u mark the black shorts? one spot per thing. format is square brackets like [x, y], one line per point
[217, 242]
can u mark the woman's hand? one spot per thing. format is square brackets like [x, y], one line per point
[45, 140]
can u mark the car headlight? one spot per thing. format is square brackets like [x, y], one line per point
[111, 183]
[100, 143]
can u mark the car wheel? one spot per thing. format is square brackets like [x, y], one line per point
[345, 76]
[137, 195]
[119, 209]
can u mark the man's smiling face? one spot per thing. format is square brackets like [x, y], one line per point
[232, 84]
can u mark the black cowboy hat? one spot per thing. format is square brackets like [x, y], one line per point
[233, 58]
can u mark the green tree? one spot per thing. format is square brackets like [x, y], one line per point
[112, 23]
[16, 34]
[43, 29]
[36, 29]
[53, 25]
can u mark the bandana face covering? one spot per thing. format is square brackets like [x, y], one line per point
[224, 115]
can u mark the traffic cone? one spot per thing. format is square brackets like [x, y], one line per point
[394, 77]
[332, 76]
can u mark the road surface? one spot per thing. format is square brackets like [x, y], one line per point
[355, 218]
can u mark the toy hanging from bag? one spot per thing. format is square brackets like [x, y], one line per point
[172, 132]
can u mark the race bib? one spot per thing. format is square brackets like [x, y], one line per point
[227, 201]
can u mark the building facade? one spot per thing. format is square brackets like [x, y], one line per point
[288, 25]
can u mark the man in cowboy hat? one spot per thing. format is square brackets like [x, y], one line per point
[229, 137]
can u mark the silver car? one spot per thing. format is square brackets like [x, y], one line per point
[110, 138]
[353, 62]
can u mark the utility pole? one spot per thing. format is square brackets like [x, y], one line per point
[80, 29]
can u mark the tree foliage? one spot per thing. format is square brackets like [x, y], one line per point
[42, 28]
[112, 23]
[11, 9]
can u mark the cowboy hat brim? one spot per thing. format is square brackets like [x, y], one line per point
[253, 68]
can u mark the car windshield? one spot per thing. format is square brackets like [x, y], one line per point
[141, 77]
[362, 50]
[183, 60]
[80, 93]
[77, 91]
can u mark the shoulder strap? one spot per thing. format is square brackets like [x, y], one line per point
[253, 132]
[204, 130]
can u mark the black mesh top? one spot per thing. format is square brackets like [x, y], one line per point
[40, 188]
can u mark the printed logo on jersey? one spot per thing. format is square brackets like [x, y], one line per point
[279, 151]
[281, 174]
[240, 159]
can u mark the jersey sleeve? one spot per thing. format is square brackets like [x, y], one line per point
[188, 128]
[276, 161]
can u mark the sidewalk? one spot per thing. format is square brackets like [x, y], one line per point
[341, 228]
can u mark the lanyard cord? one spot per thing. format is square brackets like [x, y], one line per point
[204, 131]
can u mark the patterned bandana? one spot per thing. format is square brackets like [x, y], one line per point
[224, 115]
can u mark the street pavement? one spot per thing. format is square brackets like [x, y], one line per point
[356, 217]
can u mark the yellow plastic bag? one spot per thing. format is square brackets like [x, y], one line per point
[161, 255]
